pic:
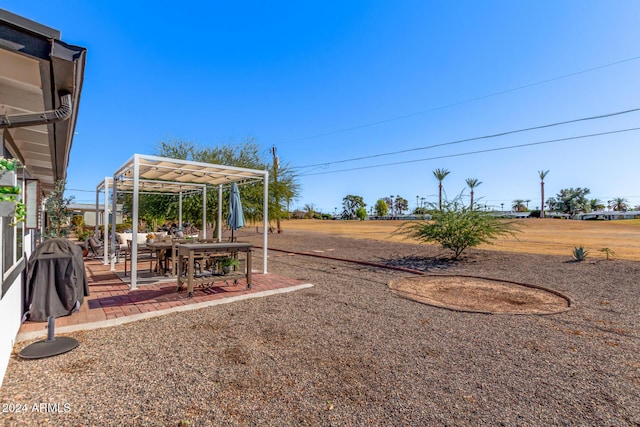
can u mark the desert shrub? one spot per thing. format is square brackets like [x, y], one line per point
[82, 233]
[78, 220]
[579, 253]
[608, 252]
[121, 227]
[534, 213]
[456, 227]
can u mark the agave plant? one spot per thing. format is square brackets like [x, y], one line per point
[580, 253]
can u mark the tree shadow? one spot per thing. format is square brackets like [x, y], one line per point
[421, 263]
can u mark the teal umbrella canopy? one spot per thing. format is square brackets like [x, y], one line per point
[235, 219]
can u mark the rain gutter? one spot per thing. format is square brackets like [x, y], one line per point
[60, 114]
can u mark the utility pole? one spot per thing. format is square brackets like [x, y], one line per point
[276, 165]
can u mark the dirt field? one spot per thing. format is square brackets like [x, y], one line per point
[538, 236]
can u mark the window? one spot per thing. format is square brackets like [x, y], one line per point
[12, 239]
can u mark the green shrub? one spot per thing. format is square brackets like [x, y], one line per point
[121, 227]
[82, 233]
[78, 220]
[361, 214]
[579, 253]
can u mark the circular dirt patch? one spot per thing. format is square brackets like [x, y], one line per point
[480, 295]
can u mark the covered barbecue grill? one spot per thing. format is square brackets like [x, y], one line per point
[56, 280]
[56, 287]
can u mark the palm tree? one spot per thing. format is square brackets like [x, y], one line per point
[542, 174]
[472, 183]
[518, 205]
[596, 205]
[309, 211]
[440, 175]
[619, 203]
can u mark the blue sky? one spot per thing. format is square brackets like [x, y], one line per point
[325, 81]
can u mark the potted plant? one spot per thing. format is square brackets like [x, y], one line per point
[10, 205]
[228, 263]
[7, 171]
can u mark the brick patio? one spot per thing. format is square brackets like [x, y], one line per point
[111, 302]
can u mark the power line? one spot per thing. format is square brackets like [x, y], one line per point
[471, 139]
[76, 189]
[476, 152]
[379, 122]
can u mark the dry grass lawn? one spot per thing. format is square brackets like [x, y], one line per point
[538, 236]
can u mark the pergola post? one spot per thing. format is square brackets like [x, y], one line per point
[180, 211]
[219, 225]
[134, 230]
[96, 229]
[265, 209]
[204, 212]
[105, 222]
[114, 201]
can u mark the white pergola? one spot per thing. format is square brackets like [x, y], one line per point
[145, 174]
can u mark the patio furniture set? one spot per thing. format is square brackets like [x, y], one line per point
[192, 261]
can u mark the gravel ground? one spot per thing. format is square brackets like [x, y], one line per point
[349, 352]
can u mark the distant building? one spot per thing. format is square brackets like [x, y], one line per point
[88, 212]
[610, 215]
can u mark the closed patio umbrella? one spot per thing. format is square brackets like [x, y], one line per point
[235, 219]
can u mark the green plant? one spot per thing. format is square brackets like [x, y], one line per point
[457, 227]
[10, 194]
[229, 262]
[121, 227]
[78, 220]
[82, 233]
[361, 214]
[579, 253]
[608, 252]
[10, 190]
[58, 212]
[7, 164]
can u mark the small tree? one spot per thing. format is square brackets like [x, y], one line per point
[361, 214]
[457, 227]
[381, 208]
[572, 201]
[351, 204]
[58, 214]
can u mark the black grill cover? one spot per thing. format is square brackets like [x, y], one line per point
[56, 280]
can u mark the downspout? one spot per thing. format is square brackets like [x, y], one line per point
[33, 119]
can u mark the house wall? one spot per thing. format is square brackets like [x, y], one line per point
[11, 309]
[10, 316]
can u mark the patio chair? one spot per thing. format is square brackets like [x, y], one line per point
[144, 254]
[94, 246]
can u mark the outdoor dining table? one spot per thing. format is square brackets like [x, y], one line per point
[187, 252]
[160, 248]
